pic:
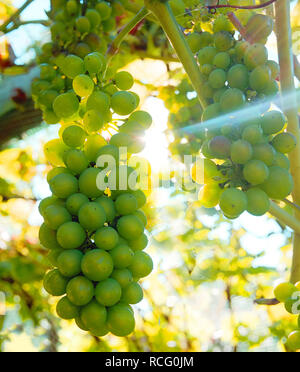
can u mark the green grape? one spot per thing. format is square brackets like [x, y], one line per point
[94, 17]
[94, 63]
[99, 101]
[279, 184]
[120, 320]
[99, 331]
[104, 10]
[122, 276]
[218, 94]
[93, 121]
[106, 238]
[56, 171]
[126, 204]
[97, 265]
[206, 69]
[275, 69]
[95, 42]
[122, 256]
[53, 255]
[83, 85]
[76, 161]
[93, 315]
[258, 202]
[123, 103]
[141, 117]
[47, 72]
[69, 263]
[80, 324]
[259, 27]
[71, 235]
[284, 142]
[108, 292]
[265, 153]
[108, 152]
[74, 136]
[73, 66]
[223, 41]
[273, 122]
[208, 91]
[75, 202]
[47, 98]
[222, 60]
[55, 284]
[66, 310]
[109, 207]
[217, 79]
[256, 172]
[220, 147]
[284, 291]
[65, 105]
[209, 195]
[282, 161]
[92, 216]
[142, 265]
[124, 80]
[132, 128]
[130, 227]
[88, 183]
[238, 77]
[39, 86]
[253, 134]
[64, 185]
[52, 200]
[141, 215]
[72, 7]
[195, 41]
[54, 151]
[140, 197]
[271, 89]
[55, 216]
[92, 146]
[49, 117]
[233, 202]
[80, 291]
[293, 341]
[48, 239]
[83, 24]
[256, 55]
[241, 152]
[139, 244]
[132, 294]
[233, 99]
[259, 78]
[292, 306]
[207, 55]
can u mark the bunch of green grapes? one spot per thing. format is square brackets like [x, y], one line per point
[245, 157]
[93, 225]
[289, 294]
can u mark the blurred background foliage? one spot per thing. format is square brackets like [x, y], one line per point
[208, 270]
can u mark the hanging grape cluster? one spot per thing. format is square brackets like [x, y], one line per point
[244, 149]
[95, 230]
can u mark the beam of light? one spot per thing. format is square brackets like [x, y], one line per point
[288, 101]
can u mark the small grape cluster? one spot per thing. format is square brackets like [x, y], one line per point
[245, 159]
[93, 226]
[289, 294]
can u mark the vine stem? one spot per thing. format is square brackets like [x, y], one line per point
[13, 18]
[267, 302]
[165, 16]
[258, 6]
[284, 42]
[285, 217]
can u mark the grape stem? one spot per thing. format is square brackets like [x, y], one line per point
[285, 217]
[165, 16]
[266, 301]
[15, 16]
[287, 84]
[294, 205]
[258, 6]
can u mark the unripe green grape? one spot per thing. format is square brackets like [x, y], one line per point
[209, 195]
[132, 128]
[83, 85]
[258, 202]
[71, 235]
[238, 77]
[256, 172]
[99, 101]
[82, 50]
[38, 86]
[120, 320]
[207, 55]
[140, 197]
[55, 284]
[123, 103]
[122, 256]
[124, 80]
[72, 7]
[219, 147]
[94, 17]
[66, 310]
[48, 239]
[130, 227]
[97, 265]
[233, 99]
[265, 153]
[139, 244]
[271, 89]
[284, 142]
[223, 41]
[108, 206]
[217, 79]
[132, 294]
[99, 331]
[108, 292]
[80, 324]
[94, 63]
[292, 306]
[206, 69]
[65, 105]
[142, 265]
[47, 98]
[92, 146]
[241, 152]
[49, 117]
[58, 83]
[259, 27]
[104, 10]
[218, 94]
[55, 216]
[93, 315]
[275, 69]
[95, 42]
[293, 341]
[273, 122]
[256, 55]
[122, 276]
[93, 121]
[284, 291]
[53, 255]
[282, 161]
[233, 202]
[208, 91]
[222, 60]
[80, 291]
[109, 25]
[73, 66]
[64, 185]
[259, 78]
[76, 161]
[75, 202]
[69, 263]
[141, 215]
[195, 41]
[253, 134]
[51, 200]
[92, 216]
[47, 72]
[279, 183]
[56, 171]
[74, 136]
[106, 238]
[126, 204]
[83, 24]
[88, 183]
